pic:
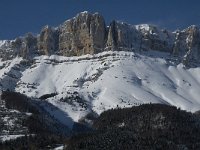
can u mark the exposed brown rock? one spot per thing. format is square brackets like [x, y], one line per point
[84, 34]
[187, 44]
[122, 36]
[48, 41]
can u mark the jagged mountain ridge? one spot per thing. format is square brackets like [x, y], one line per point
[88, 34]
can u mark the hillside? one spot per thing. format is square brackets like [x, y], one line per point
[145, 127]
[24, 124]
[77, 86]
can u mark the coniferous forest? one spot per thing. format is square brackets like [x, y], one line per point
[145, 127]
[148, 126]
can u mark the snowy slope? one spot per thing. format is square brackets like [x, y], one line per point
[9, 137]
[103, 81]
[3, 43]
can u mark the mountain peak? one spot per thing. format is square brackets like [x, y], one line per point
[87, 34]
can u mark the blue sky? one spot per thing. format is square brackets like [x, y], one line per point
[18, 17]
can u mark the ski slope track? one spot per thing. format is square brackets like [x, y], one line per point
[95, 83]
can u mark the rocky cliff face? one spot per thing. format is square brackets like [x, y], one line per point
[122, 36]
[84, 34]
[6, 50]
[24, 46]
[187, 44]
[48, 41]
[87, 34]
[155, 39]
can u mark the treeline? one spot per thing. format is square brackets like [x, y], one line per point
[43, 97]
[33, 142]
[145, 127]
[18, 102]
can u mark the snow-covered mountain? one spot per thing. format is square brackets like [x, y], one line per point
[83, 68]
[91, 84]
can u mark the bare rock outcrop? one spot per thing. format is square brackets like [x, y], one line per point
[155, 39]
[122, 36]
[25, 46]
[48, 41]
[6, 50]
[84, 34]
[29, 46]
[187, 44]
